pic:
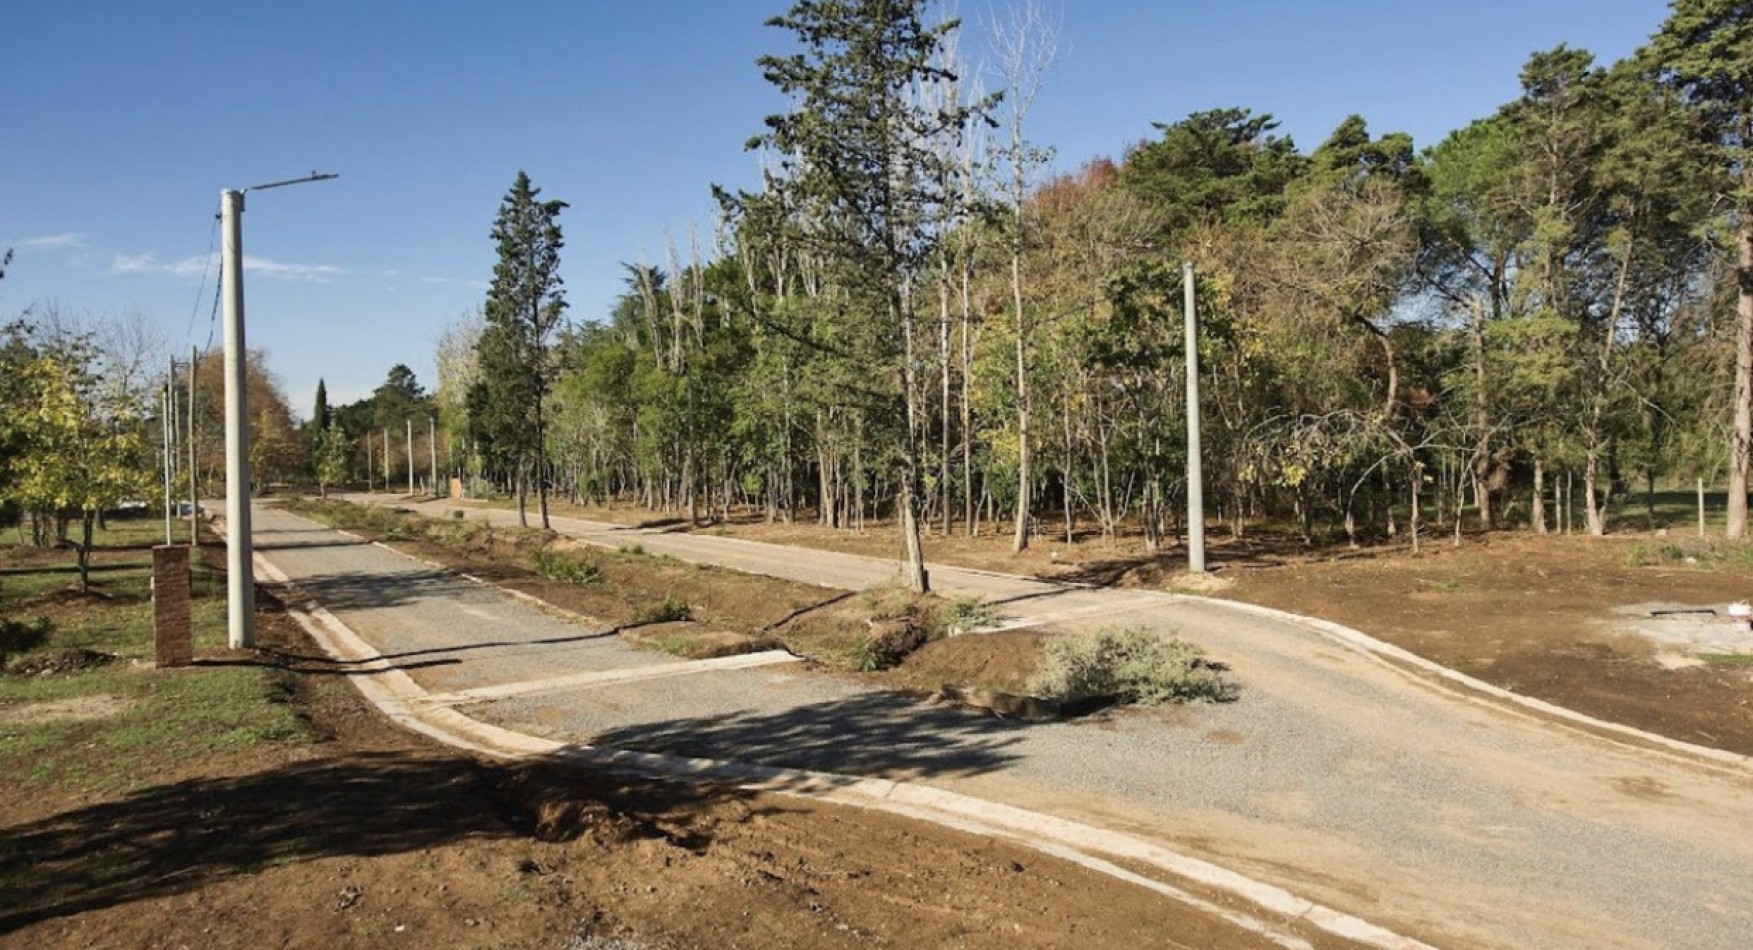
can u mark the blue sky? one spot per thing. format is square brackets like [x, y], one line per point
[122, 121]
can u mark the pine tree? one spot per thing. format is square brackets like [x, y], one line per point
[524, 304]
[860, 152]
[1705, 49]
[319, 418]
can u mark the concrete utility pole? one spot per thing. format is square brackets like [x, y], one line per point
[170, 448]
[194, 499]
[1195, 466]
[410, 422]
[173, 430]
[387, 471]
[239, 572]
[432, 449]
[368, 471]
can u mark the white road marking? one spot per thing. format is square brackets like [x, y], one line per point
[593, 678]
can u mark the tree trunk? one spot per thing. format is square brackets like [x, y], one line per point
[906, 497]
[523, 495]
[943, 461]
[1481, 422]
[968, 511]
[1736, 526]
[1065, 478]
[1020, 541]
[1537, 512]
[85, 550]
[1592, 495]
[1412, 517]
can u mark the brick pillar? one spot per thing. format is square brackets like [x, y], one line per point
[170, 605]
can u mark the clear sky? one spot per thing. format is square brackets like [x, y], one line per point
[120, 122]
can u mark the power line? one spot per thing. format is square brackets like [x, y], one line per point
[201, 289]
[213, 318]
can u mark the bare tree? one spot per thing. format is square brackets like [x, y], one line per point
[1024, 45]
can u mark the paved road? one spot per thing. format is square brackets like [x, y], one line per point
[1334, 776]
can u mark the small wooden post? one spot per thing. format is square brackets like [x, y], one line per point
[172, 629]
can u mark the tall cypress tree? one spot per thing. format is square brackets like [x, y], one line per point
[858, 152]
[524, 305]
[319, 418]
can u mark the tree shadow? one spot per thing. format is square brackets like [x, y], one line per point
[176, 838]
[309, 545]
[362, 590]
[887, 734]
[72, 569]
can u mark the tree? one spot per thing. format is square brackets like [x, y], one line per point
[458, 365]
[277, 451]
[1025, 48]
[76, 449]
[860, 151]
[524, 305]
[319, 417]
[1705, 50]
[332, 451]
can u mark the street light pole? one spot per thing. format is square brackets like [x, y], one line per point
[239, 575]
[239, 572]
[194, 498]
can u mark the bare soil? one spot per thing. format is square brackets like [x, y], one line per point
[372, 836]
[1535, 616]
[1528, 613]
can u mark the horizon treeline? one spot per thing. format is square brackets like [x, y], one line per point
[1534, 322]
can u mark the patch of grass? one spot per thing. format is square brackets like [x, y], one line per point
[891, 641]
[633, 549]
[388, 524]
[675, 646]
[964, 614]
[1728, 661]
[668, 610]
[564, 567]
[166, 717]
[1717, 554]
[1134, 664]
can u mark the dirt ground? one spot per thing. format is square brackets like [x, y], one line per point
[368, 836]
[1535, 616]
[1532, 614]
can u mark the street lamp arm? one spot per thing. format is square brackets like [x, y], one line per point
[313, 176]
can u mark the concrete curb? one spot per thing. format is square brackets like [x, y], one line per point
[1361, 642]
[407, 703]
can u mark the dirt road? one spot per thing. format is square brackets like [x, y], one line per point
[1335, 776]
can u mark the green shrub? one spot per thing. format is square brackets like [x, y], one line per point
[891, 641]
[566, 568]
[668, 610]
[964, 614]
[17, 636]
[1133, 664]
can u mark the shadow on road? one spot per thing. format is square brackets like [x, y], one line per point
[886, 734]
[362, 590]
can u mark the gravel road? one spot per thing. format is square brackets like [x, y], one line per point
[1334, 775]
